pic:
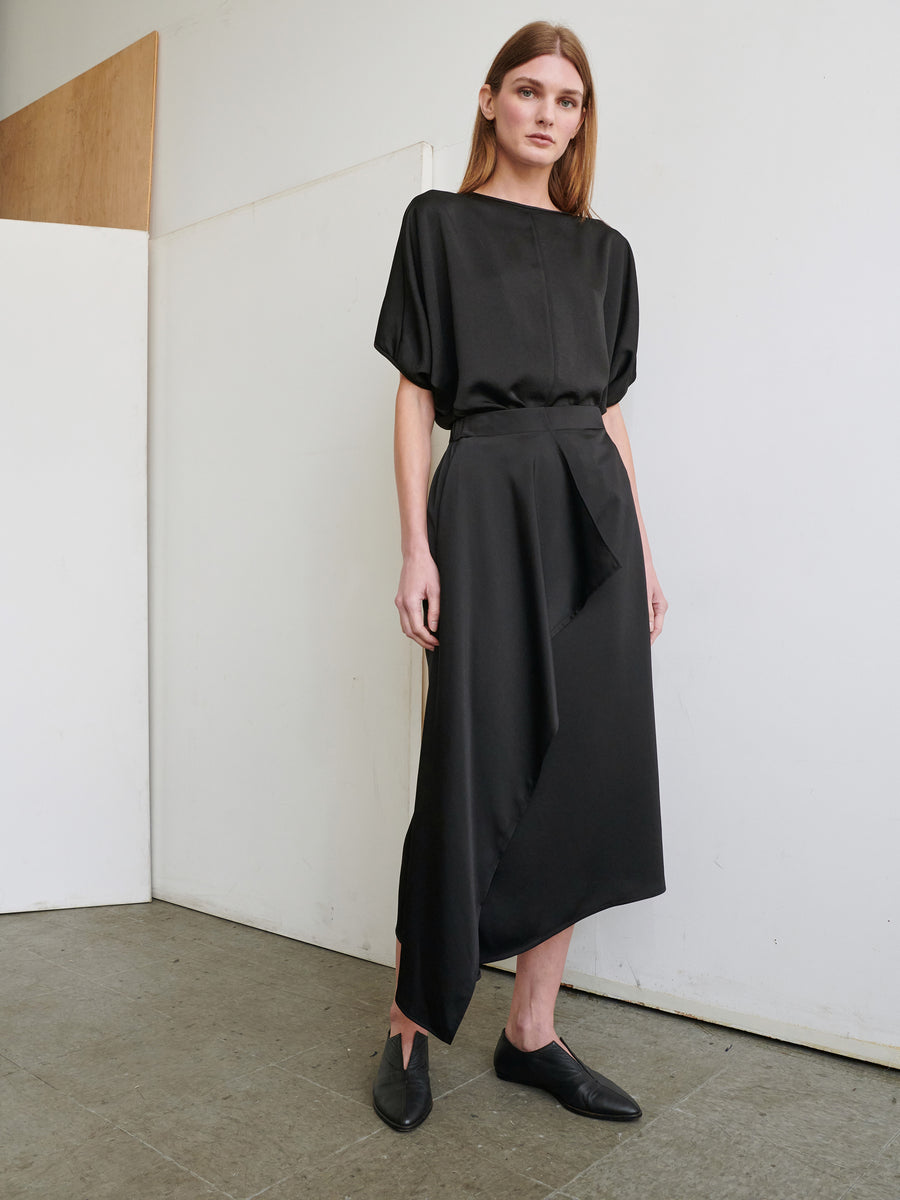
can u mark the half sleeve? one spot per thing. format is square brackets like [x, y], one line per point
[403, 335]
[623, 360]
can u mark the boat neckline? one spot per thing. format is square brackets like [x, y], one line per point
[556, 212]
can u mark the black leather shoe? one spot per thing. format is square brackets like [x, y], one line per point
[402, 1095]
[577, 1087]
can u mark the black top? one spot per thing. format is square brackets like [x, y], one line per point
[491, 303]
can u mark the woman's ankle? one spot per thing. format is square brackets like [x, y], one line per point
[401, 1023]
[529, 1034]
[407, 1029]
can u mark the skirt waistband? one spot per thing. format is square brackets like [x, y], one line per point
[527, 420]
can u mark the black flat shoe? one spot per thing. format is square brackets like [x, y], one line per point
[402, 1095]
[577, 1087]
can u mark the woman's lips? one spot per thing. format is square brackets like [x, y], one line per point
[542, 138]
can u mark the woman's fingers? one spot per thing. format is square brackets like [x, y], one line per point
[432, 611]
[658, 606]
[419, 630]
[658, 614]
[656, 628]
[418, 617]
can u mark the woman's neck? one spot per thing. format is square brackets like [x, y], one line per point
[507, 185]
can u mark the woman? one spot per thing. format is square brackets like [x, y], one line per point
[512, 315]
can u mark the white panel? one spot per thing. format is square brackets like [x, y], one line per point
[73, 605]
[283, 687]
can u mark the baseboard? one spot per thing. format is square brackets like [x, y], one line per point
[782, 1031]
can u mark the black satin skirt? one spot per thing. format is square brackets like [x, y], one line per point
[537, 799]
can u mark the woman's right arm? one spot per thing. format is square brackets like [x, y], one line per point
[419, 580]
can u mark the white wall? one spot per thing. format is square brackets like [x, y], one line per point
[74, 787]
[748, 151]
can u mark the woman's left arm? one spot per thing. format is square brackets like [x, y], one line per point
[656, 601]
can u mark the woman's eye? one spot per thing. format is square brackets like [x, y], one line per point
[527, 92]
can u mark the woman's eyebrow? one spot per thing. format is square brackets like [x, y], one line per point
[537, 83]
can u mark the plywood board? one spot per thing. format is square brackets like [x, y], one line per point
[82, 154]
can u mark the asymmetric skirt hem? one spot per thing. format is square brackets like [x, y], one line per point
[423, 1018]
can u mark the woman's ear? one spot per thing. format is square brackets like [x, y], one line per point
[486, 101]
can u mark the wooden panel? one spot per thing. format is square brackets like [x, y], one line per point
[82, 154]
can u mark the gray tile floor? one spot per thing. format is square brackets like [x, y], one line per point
[149, 1052]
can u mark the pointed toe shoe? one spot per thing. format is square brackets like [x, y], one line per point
[576, 1086]
[402, 1095]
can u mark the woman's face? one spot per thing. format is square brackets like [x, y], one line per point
[537, 111]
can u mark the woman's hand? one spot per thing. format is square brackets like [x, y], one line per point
[656, 602]
[419, 581]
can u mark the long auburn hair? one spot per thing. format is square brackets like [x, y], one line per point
[572, 176]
